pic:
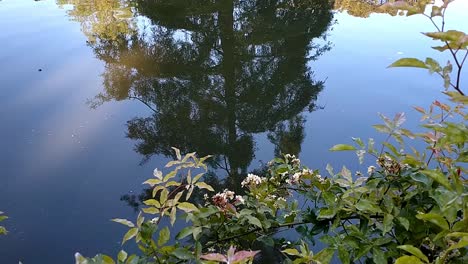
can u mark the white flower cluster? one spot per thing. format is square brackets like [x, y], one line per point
[296, 177]
[370, 170]
[252, 179]
[221, 199]
[293, 159]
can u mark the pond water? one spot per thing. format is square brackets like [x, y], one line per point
[94, 94]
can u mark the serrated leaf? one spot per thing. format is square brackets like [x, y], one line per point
[203, 185]
[164, 236]
[187, 207]
[415, 251]
[409, 62]
[123, 222]
[342, 147]
[130, 234]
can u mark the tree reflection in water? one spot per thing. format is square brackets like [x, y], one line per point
[213, 74]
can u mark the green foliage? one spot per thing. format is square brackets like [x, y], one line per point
[411, 207]
[453, 40]
[3, 230]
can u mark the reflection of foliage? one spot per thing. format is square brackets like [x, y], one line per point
[3, 230]
[105, 19]
[363, 8]
[216, 72]
[288, 137]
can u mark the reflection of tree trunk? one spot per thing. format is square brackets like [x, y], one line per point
[226, 22]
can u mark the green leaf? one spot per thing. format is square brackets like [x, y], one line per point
[122, 256]
[324, 256]
[461, 244]
[366, 205]
[435, 219]
[172, 215]
[203, 185]
[342, 147]
[186, 231]
[408, 260]
[415, 251]
[177, 152]
[163, 197]
[130, 234]
[378, 256]
[343, 255]
[447, 36]
[152, 202]
[326, 213]
[291, 251]
[196, 232]
[123, 222]
[254, 221]
[187, 207]
[182, 253]
[164, 236]
[436, 11]
[409, 62]
[382, 129]
[387, 223]
[438, 177]
[152, 182]
[359, 142]
[404, 222]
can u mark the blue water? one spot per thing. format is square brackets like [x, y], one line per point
[65, 165]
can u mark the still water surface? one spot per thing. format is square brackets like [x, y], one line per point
[94, 94]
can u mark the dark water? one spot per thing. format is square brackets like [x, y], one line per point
[94, 94]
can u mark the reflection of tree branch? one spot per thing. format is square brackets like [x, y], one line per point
[147, 104]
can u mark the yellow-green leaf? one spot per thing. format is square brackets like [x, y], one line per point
[435, 219]
[122, 256]
[123, 222]
[164, 236]
[187, 207]
[415, 251]
[291, 251]
[342, 147]
[408, 260]
[409, 62]
[203, 185]
[130, 234]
